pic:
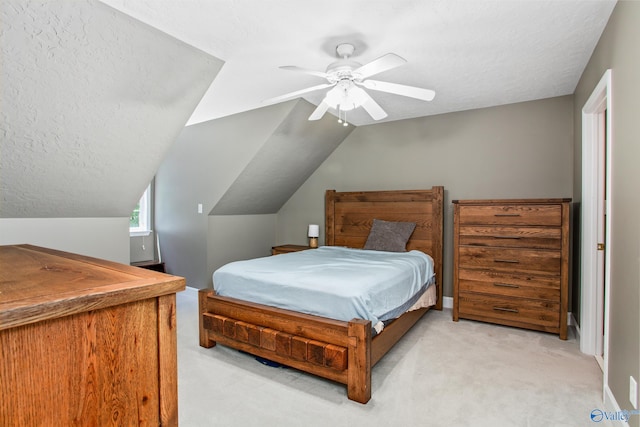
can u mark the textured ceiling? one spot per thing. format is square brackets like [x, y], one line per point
[472, 53]
[88, 108]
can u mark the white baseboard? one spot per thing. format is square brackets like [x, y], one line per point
[613, 411]
[572, 322]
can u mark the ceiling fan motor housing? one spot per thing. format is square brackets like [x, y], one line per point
[343, 68]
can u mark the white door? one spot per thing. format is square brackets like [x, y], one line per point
[601, 233]
[595, 221]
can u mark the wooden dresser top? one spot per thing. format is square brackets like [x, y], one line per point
[38, 283]
[510, 201]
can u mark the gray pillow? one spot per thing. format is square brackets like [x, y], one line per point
[389, 236]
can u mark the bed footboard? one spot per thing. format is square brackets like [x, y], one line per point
[339, 351]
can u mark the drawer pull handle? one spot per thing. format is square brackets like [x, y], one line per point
[509, 310]
[507, 237]
[506, 214]
[510, 261]
[506, 285]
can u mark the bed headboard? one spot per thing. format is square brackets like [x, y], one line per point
[349, 216]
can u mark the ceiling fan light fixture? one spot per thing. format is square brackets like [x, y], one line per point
[333, 97]
[345, 96]
[347, 78]
[357, 95]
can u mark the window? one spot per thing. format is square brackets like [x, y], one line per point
[140, 220]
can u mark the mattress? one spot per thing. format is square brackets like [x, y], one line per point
[335, 282]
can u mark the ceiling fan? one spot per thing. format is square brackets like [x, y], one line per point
[347, 78]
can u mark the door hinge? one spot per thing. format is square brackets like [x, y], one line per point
[601, 246]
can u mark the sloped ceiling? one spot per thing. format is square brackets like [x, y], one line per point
[91, 101]
[93, 98]
[284, 162]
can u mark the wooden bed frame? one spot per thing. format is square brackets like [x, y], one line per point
[340, 351]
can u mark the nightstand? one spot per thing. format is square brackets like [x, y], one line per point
[150, 265]
[284, 249]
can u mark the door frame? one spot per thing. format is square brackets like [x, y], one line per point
[598, 104]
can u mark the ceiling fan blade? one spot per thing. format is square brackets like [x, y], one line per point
[410, 91]
[297, 93]
[319, 112]
[304, 70]
[375, 111]
[384, 63]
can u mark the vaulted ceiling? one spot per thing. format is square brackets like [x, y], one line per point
[474, 54]
[95, 93]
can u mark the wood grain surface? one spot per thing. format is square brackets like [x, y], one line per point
[87, 343]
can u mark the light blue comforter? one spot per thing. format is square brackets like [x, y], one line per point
[334, 282]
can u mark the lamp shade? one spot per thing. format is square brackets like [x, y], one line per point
[314, 230]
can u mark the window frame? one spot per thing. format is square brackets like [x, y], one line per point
[144, 215]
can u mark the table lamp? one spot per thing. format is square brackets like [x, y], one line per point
[313, 233]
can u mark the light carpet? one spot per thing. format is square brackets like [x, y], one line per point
[442, 373]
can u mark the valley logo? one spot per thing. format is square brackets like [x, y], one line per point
[598, 415]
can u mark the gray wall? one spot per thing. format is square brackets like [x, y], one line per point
[242, 169]
[618, 50]
[237, 237]
[203, 162]
[143, 248]
[106, 238]
[518, 150]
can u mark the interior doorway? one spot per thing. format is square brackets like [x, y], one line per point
[596, 222]
[601, 219]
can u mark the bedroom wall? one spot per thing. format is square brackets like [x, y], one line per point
[242, 169]
[238, 237]
[518, 150]
[617, 49]
[201, 165]
[106, 238]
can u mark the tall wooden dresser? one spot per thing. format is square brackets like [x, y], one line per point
[85, 342]
[511, 262]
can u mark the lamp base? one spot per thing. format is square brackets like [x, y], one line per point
[313, 242]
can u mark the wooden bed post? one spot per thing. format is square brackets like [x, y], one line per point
[329, 217]
[438, 237]
[202, 308]
[359, 371]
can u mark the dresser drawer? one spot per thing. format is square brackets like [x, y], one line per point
[507, 214]
[515, 237]
[496, 308]
[513, 285]
[510, 260]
